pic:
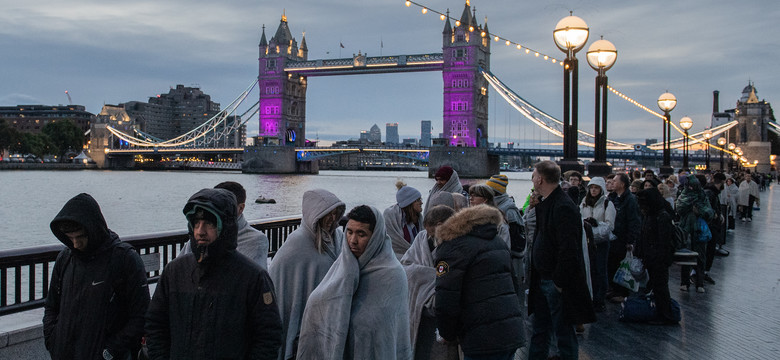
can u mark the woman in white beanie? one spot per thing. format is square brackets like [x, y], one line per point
[599, 213]
[404, 219]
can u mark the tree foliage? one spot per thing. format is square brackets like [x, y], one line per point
[8, 135]
[64, 135]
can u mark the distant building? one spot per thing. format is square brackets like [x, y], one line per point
[363, 137]
[649, 142]
[410, 142]
[32, 118]
[375, 135]
[752, 130]
[425, 133]
[167, 116]
[391, 137]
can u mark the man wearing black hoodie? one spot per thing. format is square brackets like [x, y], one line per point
[98, 295]
[213, 303]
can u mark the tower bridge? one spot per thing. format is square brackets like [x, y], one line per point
[284, 70]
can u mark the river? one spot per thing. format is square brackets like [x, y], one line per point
[141, 202]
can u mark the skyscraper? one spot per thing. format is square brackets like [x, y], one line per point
[391, 137]
[425, 133]
[375, 135]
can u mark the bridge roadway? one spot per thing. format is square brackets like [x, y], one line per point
[738, 318]
[420, 154]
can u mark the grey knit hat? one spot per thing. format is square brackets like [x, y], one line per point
[407, 195]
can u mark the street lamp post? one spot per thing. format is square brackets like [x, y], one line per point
[667, 102]
[707, 137]
[570, 35]
[731, 148]
[686, 124]
[721, 142]
[601, 56]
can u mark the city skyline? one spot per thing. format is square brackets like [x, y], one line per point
[109, 54]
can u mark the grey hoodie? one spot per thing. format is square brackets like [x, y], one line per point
[302, 262]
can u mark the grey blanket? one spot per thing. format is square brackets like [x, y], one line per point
[452, 186]
[299, 265]
[394, 223]
[360, 309]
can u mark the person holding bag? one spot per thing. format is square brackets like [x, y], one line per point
[599, 213]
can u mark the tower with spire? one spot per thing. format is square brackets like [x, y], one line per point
[466, 49]
[752, 132]
[282, 106]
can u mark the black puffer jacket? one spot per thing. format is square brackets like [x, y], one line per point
[98, 297]
[654, 246]
[221, 308]
[475, 297]
[628, 220]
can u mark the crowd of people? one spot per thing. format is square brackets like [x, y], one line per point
[465, 275]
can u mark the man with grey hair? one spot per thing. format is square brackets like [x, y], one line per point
[558, 294]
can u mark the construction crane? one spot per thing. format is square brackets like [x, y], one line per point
[70, 101]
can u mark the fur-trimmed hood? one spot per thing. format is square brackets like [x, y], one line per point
[465, 220]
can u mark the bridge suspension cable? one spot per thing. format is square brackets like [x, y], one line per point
[542, 119]
[212, 130]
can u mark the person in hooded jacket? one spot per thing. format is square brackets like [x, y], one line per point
[304, 259]
[252, 243]
[475, 300]
[213, 303]
[599, 212]
[447, 180]
[404, 219]
[98, 294]
[691, 205]
[655, 249]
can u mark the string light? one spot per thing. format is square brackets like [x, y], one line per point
[553, 60]
[645, 108]
[496, 37]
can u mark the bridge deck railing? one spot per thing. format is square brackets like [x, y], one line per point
[25, 272]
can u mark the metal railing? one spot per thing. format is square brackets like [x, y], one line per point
[25, 273]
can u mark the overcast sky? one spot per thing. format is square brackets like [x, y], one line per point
[109, 52]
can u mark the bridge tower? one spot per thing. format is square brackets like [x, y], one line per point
[282, 106]
[466, 49]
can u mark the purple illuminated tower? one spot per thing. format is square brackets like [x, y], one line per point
[466, 49]
[282, 105]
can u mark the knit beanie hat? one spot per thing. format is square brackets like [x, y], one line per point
[444, 172]
[498, 183]
[199, 212]
[406, 196]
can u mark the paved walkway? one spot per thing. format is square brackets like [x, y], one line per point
[737, 318]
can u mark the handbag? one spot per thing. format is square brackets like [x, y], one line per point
[705, 234]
